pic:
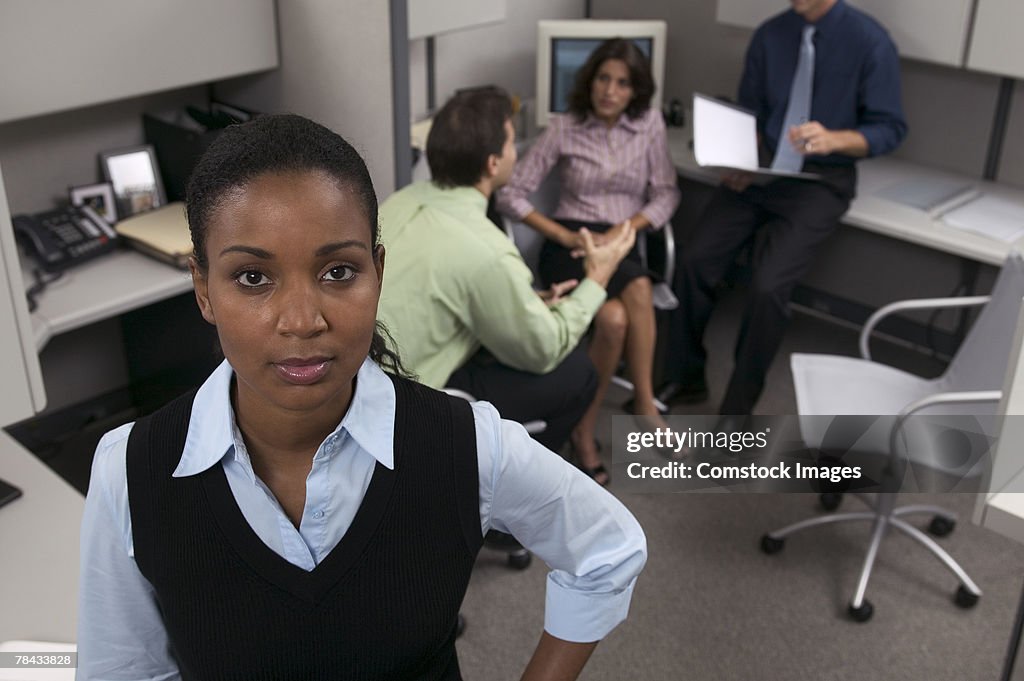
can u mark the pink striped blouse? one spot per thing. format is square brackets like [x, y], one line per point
[606, 174]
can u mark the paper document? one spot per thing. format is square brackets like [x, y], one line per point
[725, 136]
[934, 196]
[162, 233]
[21, 672]
[993, 217]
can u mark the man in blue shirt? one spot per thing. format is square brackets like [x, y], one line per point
[844, 68]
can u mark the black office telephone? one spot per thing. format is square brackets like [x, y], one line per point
[61, 238]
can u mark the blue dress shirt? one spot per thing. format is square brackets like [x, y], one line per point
[856, 79]
[594, 545]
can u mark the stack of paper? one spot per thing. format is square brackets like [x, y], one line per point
[162, 233]
[991, 216]
[933, 196]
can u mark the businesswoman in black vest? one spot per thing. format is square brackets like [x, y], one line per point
[309, 513]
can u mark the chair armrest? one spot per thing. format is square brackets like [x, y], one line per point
[958, 397]
[455, 392]
[919, 304]
[670, 250]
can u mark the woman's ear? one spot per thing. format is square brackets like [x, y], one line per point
[378, 262]
[201, 287]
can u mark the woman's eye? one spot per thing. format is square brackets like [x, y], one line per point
[340, 273]
[251, 279]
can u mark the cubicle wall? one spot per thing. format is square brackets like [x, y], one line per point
[22, 392]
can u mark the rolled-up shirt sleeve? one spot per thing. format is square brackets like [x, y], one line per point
[880, 118]
[529, 172]
[593, 544]
[662, 185]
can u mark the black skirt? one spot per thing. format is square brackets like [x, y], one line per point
[557, 264]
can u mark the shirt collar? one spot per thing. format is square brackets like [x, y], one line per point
[470, 195]
[369, 420]
[831, 19]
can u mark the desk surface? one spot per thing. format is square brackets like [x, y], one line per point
[38, 550]
[883, 216]
[102, 288]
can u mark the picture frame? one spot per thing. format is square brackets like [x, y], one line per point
[135, 177]
[99, 196]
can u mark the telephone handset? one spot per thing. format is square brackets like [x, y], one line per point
[64, 237]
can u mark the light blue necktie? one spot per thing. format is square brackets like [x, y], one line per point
[798, 110]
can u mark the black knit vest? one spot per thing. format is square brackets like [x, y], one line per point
[382, 605]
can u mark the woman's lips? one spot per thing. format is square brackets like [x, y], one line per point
[302, 371]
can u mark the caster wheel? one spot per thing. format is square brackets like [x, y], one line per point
[770, 544]
[830, 500]
[520, 560]
[863, 613]
[460, 626]
[940, 526]
[964, 598]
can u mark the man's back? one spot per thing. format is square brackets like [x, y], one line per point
[454, 282]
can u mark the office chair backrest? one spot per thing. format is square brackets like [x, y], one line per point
[981, 361]
[526, 238]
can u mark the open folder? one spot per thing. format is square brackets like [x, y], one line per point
[725, 137]
[162, 233]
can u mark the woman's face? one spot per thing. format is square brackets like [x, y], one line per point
[611, 90]
[292, 287]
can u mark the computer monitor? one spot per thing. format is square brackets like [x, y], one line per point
[563, 47]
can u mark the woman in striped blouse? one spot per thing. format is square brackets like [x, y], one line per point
[615, 173]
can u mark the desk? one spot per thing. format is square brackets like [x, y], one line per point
[102, 288]
[38, 550]
[883, 216]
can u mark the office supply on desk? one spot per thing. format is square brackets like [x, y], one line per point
[991, 216]
[8, 492]
[725, 137]
[934, 196]
[161, 233]
[133, 173]
[99, 197]
[61, 238]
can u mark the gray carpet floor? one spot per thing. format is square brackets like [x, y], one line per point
[710, 605]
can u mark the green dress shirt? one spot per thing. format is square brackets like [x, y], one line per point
[453, 282]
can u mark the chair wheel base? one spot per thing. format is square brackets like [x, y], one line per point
[770, 544]
[830, 500]
[940, 526]
[520, 560]
[964, 598]
[863, 613]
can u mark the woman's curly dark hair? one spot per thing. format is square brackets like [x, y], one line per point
[640, 77]
[274, 144]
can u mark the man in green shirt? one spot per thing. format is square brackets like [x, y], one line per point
[458, 298]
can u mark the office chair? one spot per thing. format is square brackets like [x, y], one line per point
[529, 242]
[970, 388]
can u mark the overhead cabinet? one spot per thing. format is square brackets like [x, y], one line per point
[65, 54]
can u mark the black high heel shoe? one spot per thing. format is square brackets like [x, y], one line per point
[593, 473]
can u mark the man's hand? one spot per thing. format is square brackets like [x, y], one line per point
[600, 262]
[557, 291]
[737, 180]
[601, 238]
[815, 139]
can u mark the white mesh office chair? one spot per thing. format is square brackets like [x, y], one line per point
[971, 384]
